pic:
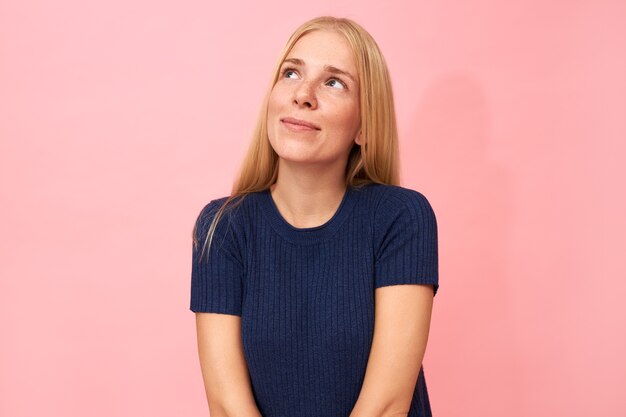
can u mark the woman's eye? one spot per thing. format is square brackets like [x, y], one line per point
[340, 83]
[286, 72]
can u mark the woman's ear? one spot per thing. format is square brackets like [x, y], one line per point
[357, 140]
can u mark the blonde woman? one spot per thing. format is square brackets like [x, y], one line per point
[313, 282]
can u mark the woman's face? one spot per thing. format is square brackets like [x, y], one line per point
[317, 84]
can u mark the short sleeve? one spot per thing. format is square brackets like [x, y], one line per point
[405, 235]
[216, 274]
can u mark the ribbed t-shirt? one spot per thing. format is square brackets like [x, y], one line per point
[306, 295]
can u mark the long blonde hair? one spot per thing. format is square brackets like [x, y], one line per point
[376, 161]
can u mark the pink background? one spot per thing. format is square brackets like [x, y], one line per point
[119, 120]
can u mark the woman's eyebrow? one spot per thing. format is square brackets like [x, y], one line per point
[329, 68]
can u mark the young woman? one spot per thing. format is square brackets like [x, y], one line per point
[296, 276]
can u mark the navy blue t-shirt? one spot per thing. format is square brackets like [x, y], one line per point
[306, 295]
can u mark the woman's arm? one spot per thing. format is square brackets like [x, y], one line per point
[224, 369]
[401, 326]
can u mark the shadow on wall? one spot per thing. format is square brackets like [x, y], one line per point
[447, 145]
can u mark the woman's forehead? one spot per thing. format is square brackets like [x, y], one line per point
[323, 48]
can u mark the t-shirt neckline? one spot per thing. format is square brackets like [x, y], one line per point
[307, 235]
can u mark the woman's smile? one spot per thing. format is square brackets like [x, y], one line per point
[298, 127]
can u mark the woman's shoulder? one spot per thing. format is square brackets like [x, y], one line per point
[394, 204]
[210, 209]
[230, 217]
[389, 196]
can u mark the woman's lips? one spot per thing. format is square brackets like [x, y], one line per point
[297, 125]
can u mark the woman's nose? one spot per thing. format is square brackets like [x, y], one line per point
[305, 95]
